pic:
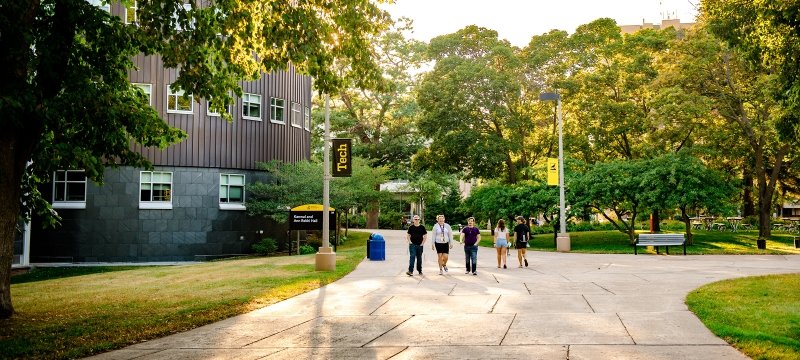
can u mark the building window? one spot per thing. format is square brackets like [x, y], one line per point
[231, 192]
[307, 119]
[175, 18]
[178, 103]
[148, 90]
[276, 110]
[99, 3]
[211, 112]
[251, 106]
[130, 13]
[69, 189]
[297, 115]
[155, 190]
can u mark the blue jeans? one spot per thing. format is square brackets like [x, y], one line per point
[471, 254]
[414, 252]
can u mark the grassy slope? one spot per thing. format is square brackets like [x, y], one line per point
[80, 315]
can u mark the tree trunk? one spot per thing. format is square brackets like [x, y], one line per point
[11, 170]
[373, 210]
[764, 218]
[688, 223]
[655, 222]
[748, 206]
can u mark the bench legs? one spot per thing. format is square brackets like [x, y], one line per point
[636, 249]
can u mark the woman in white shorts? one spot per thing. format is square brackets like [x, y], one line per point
[501, 242]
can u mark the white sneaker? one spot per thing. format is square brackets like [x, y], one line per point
[445, 268]
[441, 272]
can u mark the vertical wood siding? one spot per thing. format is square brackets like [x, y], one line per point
[241, 144]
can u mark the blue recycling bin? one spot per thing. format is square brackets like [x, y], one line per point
[376, 247]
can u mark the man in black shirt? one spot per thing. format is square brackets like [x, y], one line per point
[522, 234]
[416, 236]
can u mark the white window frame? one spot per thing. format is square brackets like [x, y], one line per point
[273, 110]
[224, 183]
[177, 96]
[247, 101]
[147, 89]
[68, 204]
[307, 119]
[99, 3]
[135, 8]
[151, 204]
[297, 115]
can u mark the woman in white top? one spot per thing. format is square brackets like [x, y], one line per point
[442, 242]
[501, 242]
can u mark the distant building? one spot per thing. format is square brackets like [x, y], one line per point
[676, 23]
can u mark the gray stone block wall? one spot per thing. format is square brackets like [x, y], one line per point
[113, 228]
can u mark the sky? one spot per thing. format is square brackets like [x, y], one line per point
[518, 20]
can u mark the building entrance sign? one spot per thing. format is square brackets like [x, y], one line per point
[309, 217]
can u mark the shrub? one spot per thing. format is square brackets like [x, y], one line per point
[389, 220]
[307, 249]
[314, 238]
[266, 246]
[357, 221]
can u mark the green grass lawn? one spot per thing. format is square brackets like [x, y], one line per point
[758, 315]
[77, 312]
[705, 243]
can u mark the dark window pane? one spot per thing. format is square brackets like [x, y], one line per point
[235, 194]
[76, 176]
[60, 192]
[76, 191]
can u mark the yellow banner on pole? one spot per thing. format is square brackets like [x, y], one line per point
[552, 171]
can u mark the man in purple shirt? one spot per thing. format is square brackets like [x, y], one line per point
[470, 236]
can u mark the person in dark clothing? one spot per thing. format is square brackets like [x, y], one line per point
[471, 236]
[522, 234]
[416, 236]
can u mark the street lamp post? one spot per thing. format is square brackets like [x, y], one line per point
[562, 239]
[325, 258]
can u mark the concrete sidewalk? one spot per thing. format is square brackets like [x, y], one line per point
[564, 306]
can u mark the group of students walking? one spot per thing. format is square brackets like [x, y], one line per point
[470, 236]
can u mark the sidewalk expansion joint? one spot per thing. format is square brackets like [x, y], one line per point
[626, 329]
[508, 329]
[495, 304]
[587, 302]
[284, 330]
[495, 278]
[527, 288]
[381, 305]
[398, 353]
[384, 333]
[598, 285]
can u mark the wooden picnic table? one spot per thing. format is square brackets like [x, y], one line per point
[734, 221]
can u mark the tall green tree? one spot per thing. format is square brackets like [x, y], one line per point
[740, 93]
[65, 101]
[610, 93]
[470, 106]
[616, 186]
[381, 116]
[768, 34]
[684, 182]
